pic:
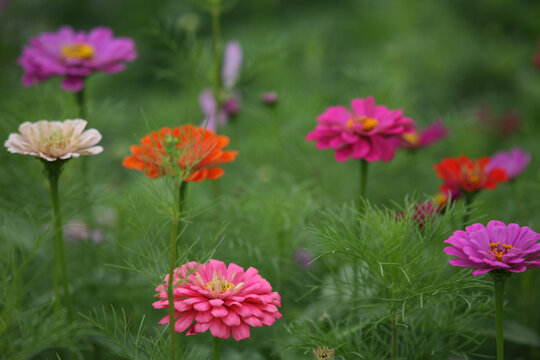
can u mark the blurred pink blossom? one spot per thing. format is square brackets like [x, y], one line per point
[74, 55]
[513, 162]
[432, 133]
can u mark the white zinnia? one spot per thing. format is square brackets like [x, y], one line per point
[54, 140]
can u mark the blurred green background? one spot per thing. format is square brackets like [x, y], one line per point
[435, 60]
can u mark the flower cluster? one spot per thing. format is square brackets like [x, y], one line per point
[191, 152]
[55, 140]
[225, 300]
[369, 132]
[216, 115]
[495, 247]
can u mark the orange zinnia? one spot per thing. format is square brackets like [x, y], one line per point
[189, 151]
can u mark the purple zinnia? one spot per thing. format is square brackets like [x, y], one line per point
[496, 246]
[74, 55]
[513, 161]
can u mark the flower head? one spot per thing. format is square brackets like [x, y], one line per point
[368, 132]
[495, 247]
[324, 353]
[463, 174]
[537, 58]
[513, 162]
[189, 151]
[232, 63]
[417, 139]
[303, 258]
[54, 140]
[76, 231]
[504, 125]
[74, 55]
[226, 300]
[270, 98]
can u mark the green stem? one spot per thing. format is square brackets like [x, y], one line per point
[394, 340]
[362, 184]
[174, 235]
[53, 170]
[499, 299]
[79, 96]
[217, 344]
[468, 196]
[218, 59]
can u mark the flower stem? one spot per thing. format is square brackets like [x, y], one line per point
[216, 42]
[174, 234]
[217, 344]
[362, 185]
[53, 170]
[79, 96]
[499, 299]
[394, 340]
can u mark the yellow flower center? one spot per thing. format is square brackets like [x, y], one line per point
[366, 122]
[440, 199]
[78, 51]
[219, 284]
[499, 253]
[412, 138]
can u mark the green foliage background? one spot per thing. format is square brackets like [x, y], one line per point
[435, 60]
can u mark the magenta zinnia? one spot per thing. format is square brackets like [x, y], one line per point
[496, 246]
[74, 55]
[369, 132]
[226, 300]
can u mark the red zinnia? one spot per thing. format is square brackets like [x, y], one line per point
[464, 174]
[189, 151]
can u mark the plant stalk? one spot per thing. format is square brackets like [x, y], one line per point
[217, 344]
[218, 59]
[174, 235]
[53, 170]
[394, 340]
[362, 184]
[499, 300]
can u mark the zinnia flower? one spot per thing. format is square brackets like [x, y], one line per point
[226, 300]
[76, 231]
[537, 58]
[368, 132]
[463, 174]
[74, 55]
[504, 125]
[230, 101]
[190, 151]
[417, 139]
[495, 247]
[55, 140]
[513, 162]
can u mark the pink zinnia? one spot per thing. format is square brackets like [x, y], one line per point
[495, 247]
[369, 132]
[226, 300]
[417, 139]
[513, 162]
[74, 55]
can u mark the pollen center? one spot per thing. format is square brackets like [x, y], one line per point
[412, 138]
[499, 253]
[78, 51]
[366, 122]
[219, 284]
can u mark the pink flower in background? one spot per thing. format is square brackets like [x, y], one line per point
[513, 162]
[495, 247]
[232, 63]
[74, 55]
[270, 98]
[226, 300]
[230, 101]
[417, 139]
[504, 125]
[303, 258]
[369, 132]
[76, 231]
[537, 57]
